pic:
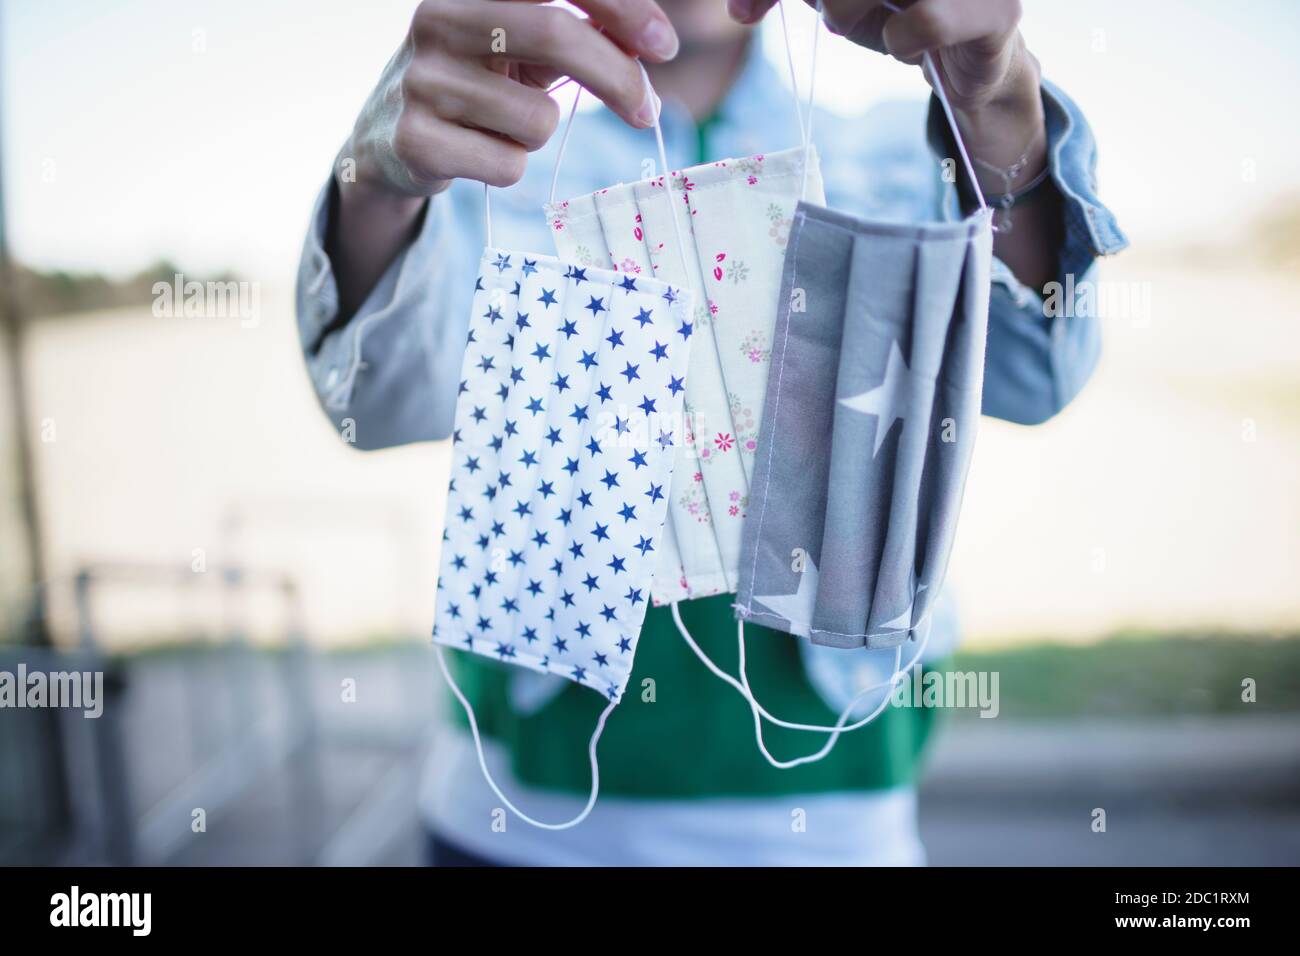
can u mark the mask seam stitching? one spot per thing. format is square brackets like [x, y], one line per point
[554, 267]
[785, 340]
[727, 179]
[595, 214]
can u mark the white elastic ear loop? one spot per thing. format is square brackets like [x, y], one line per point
[927, 63]
[952, 124]
[568, 125]
[482, 762]
[898, 675]
[794, 80]
[564, 140]
[760, 713]
[812, 89]
[835, 731]
[742, 686]
[668, 175]
[487, 198]
[663, 162]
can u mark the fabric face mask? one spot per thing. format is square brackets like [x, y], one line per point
[884, 369]
[558, 491]
[558, 486]
[738, 214]
[870, 418]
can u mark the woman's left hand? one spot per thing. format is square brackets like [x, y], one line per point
[975, 44]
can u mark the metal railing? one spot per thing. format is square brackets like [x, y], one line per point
[66, 780]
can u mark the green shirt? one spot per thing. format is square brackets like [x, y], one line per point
[687, 734]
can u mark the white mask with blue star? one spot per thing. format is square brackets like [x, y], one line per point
[563, 453]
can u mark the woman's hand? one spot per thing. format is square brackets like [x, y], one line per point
[992, 82]
[465, 98]
[975, 44]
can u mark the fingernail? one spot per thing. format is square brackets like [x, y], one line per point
[659, 39]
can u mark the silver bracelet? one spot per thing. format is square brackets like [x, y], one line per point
[1007, 201]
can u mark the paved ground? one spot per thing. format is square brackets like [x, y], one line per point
[1025, 794]
[217, 733]
[1175, 792]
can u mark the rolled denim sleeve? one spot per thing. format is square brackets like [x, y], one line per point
[1039, 358]
[387, 376]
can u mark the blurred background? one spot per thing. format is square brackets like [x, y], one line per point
[176, 511]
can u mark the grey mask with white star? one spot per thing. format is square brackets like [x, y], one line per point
[868, 426]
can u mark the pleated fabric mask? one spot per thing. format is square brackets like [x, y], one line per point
[870, 418]
[558, 492]
[738, 214]
[554, 509]
[884, 369]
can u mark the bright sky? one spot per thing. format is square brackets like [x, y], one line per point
[201, 130]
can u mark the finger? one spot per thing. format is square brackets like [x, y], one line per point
[434, 149]
[638, 26]
[542, 77]
[749, 11]
[931, 24]
[551, 37]
[861, 21]
[472, 94]
[841, 16]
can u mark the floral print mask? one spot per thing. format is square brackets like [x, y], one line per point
[738, 214]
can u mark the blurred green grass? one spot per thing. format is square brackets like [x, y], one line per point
[1143, 675]
[1134, 674]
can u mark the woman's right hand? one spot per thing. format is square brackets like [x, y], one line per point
[465, 97]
